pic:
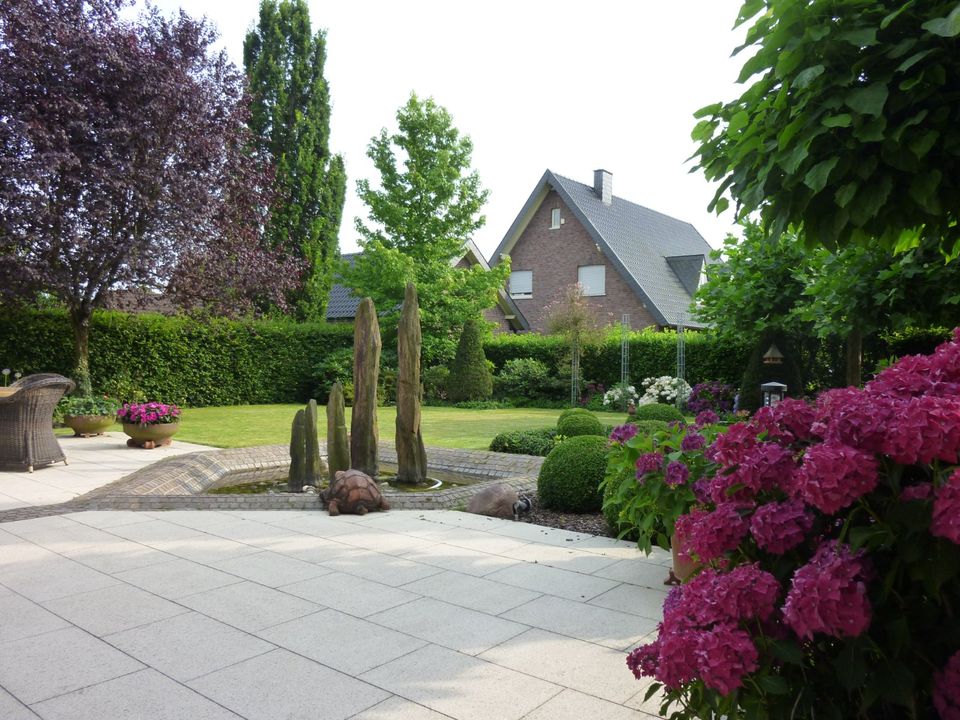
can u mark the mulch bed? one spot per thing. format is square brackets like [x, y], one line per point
[590, 523]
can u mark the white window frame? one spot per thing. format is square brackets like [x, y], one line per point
[589, 287]
[523, 292]
[555, 220]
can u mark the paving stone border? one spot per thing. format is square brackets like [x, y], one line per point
[182, 482]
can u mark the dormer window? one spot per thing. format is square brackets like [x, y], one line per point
[555, 219]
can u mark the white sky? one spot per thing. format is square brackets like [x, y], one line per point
[570, 86]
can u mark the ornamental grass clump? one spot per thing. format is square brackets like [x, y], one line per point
[828, 541]
[148, 413]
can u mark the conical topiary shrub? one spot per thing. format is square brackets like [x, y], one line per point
[470, 376]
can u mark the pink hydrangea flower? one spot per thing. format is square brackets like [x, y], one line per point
[946, 509]
[922, 429]
[649, 463]
[829, 594]
[692, 441]
[780, 527]
[730, 446]
[743, 594]
[711, 534]
[833, 477]
[762, 467]
[788, 421]
[852, 417]
[724, 656]
[676, 474]
[643, 661]
[923, 491]
[946, 689]
[622, 433]
[706, 417]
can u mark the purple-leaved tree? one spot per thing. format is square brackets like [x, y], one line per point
[125, 164]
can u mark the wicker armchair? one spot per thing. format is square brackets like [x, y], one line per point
[26, 421]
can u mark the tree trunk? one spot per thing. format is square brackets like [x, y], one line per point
[80, 323]
[854, 357]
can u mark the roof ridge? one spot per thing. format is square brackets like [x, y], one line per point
[629, 202]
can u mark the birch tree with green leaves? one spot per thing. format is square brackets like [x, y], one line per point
[290, 116]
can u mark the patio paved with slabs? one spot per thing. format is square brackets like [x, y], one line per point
[263, 615]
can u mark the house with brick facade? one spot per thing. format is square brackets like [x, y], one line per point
[629, 259]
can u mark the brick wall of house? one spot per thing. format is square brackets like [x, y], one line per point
[496, 314]
[555, 255]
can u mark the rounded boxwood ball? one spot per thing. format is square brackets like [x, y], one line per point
[572, 411]
[658, 411]
[570, 476]
[580, 424]
[649, 427]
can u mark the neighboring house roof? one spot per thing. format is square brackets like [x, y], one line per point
[342, 304]
[659, 256]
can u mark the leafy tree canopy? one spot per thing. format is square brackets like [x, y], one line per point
[290, 117]
[850, 128]
[427, 206]
[124, 163]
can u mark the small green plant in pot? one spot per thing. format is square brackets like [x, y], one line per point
[88, 415]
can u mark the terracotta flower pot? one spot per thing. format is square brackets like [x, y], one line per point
[150, 436]
[683, 567]
[88, 425]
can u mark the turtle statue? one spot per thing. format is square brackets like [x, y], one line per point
[353, 492]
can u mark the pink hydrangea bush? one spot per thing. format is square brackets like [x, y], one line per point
[148, 413]
[828, 538]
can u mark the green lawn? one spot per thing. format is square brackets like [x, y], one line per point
[243, 425]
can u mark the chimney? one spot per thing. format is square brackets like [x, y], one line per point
[603, 185]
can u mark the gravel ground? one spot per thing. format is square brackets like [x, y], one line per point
[590, 523]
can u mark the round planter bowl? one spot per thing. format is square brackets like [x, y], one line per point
[88, 425]
[150, 436]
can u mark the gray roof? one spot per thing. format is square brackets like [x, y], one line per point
[659, 256]
[342, 304]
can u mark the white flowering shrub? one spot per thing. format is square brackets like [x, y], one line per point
[665, 389]
[615, 396]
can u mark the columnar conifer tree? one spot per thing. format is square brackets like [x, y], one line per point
[290, 115]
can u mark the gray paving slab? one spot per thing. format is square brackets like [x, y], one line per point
[471, 592]
[633, 599]
[117, 555]
[13, 709]
[320, 691]
[177, 578]
[308, 548]
[390, 543]
[144, 695]
[109, 518]
[584, 666]
[44, 666]
[23, 618]
[398, 708]
[554, 581]
[113, 609]
[206, 549]
[638, 571]
[271, 569]
[451, 557]
[381, 568]
[487, 542]
[54, 577]
[564, 558]
[249, 606]
[188, 646]
[150, 532]
[461, 686]
[573, 705]
[451, 626]
[342, 642]
[610, 628]
[350, 594]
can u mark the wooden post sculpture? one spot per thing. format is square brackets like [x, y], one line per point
[338, 444]
[364, 434]
[411, 456]
[313, 470]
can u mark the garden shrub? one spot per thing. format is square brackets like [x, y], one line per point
[657, 411]
[525, 442]
[567, 412]
[435, 382]
[713, 395]
[470, 375]
[649, 427]
[570, 476]
[522, 377]
[483, 405]
[576, 424]
[619, 526]
[334, 366]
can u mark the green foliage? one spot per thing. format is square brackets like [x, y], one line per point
[419, 222]
[180, 359]
[436, 380]
[290, 116]
[915, 341]
[470, 376]
[657, 411]
[483, 405]
[649, 427]
[758, 372]
[335, 366]
[523, 377]
[849, 129]
[576, 424]
[88, 405]
[613, 507]
[572, 411]
[525, 442]
[570, 476]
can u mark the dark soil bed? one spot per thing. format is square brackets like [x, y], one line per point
[590, 523]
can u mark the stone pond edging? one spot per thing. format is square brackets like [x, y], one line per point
[181, 482]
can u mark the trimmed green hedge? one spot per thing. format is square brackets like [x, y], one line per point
[652, 354]
[177, 359]
[576, 424]
[569, 478]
